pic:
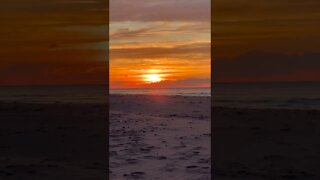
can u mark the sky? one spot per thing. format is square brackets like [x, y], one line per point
[160, 44]
[266, 40]
[60, 42]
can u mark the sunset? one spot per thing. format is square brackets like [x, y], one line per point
[160, 80]
[60, 42]
[266, 84]
[53, 72]
[266, 41]
[153, 78]
[176, 48]
[160, 89]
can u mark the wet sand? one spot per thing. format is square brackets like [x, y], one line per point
[159, 137]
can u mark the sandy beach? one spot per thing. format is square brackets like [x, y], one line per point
[159, 137]
[156, 137]
[266, 144]
[53, 141]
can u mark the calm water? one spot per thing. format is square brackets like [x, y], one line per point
[82, 94]
[172, 91]
[268, 95]
[54, 94]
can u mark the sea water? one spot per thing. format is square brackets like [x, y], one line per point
[268, 95]
[247, 95]
[169, 91]
[54, 94]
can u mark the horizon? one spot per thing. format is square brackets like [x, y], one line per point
[70, 85]
[152, 49]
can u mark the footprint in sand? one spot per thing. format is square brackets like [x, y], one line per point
[132, 161]
[135, 175]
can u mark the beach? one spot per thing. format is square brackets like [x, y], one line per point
[159, 137]
[156, 137]
[265, 143]
[50, 141]
[248, 143]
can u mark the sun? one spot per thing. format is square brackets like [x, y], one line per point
[152, 78]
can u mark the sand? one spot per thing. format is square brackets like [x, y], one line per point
[156, 137]
[266, 144]
[159, 137]
[53, 141]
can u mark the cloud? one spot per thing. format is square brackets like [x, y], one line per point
[170, 36]
[190, 51]
[26, 23]
[184, 83]
[260, 67]
[52, 67]
[267, 40]
[276, 27]
[155, 10]
[160, 30]
[53, 42]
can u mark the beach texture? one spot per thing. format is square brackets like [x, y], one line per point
[159, 137]
[265, 144]
[53, 141]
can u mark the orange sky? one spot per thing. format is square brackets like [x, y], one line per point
[65, 42]
[162, 44]
[53, 42]
[262, 41]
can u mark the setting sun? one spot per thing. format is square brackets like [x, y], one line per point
[159, 53]
[152, 78]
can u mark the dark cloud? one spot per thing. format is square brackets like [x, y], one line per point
[55, 69]
[257, 67]
[284, 30]
[184, 83]
[155, 10]
[53, 7]
[53, 42]
[127, 33]
[191, 51]
[241, 26]
[158, 30]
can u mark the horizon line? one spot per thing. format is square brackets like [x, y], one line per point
[221, 82]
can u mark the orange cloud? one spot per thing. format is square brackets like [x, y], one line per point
[53, 42]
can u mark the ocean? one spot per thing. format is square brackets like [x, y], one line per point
[54, 94]
[266, 95]
[81, 94]
[171, 91]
